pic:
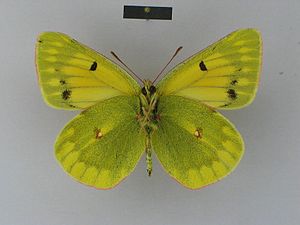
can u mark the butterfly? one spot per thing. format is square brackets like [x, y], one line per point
[175, 119]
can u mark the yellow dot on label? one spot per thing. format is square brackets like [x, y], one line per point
[147, 9]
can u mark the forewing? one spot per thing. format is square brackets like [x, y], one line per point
[196, 145]
[102, 145]
[224, 75]
[73, 76]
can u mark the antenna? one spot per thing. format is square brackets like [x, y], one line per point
[176, 52]
[115, 55]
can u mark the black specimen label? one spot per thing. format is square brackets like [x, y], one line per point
[147, 12]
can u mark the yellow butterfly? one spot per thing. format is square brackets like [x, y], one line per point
[176, 119]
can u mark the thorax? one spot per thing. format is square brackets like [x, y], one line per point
[148, 115]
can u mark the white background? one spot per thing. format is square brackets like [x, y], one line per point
[264, 189]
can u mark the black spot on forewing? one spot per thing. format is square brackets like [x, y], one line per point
[202, 66]
[93, 66]
[62, 82]
[232, 94]
[40, 41]
[66, 94]
[233, 82]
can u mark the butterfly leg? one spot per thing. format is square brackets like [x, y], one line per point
[148, 156]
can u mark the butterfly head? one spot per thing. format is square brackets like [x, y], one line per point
[149, 89]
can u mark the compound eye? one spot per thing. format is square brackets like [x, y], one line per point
[152, 90]
[144, 92]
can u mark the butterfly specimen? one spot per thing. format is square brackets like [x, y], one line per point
[176, 118]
